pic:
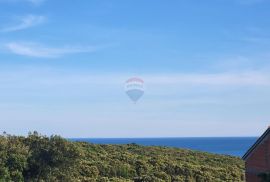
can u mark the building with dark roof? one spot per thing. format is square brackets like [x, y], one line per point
[257, 159]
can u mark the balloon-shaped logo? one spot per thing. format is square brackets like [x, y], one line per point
[134, 88]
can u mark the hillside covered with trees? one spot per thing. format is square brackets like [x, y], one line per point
[52, 159]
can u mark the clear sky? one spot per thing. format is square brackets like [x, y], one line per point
[64, 63]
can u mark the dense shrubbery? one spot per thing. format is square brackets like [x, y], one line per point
[49, 159]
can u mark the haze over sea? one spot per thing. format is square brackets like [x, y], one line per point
[235, 146]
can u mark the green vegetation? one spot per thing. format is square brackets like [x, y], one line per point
[265, 177]
[39, 158]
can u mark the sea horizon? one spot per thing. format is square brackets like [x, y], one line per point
[161, 137]
[234, 146]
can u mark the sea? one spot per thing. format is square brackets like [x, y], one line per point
[234, 146]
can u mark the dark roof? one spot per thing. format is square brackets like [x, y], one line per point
[267, 132]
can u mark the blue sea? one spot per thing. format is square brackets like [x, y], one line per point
[235, 146]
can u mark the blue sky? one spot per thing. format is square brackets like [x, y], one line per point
[63, 67]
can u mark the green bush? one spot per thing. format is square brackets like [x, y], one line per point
[38, 158]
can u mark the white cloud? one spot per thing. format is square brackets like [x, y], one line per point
[51, 77]
[250, 78]
[36, 50]
[24, 23]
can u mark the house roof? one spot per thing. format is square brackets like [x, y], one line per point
[254, 146]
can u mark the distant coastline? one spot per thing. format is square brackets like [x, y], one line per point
[235, 146]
